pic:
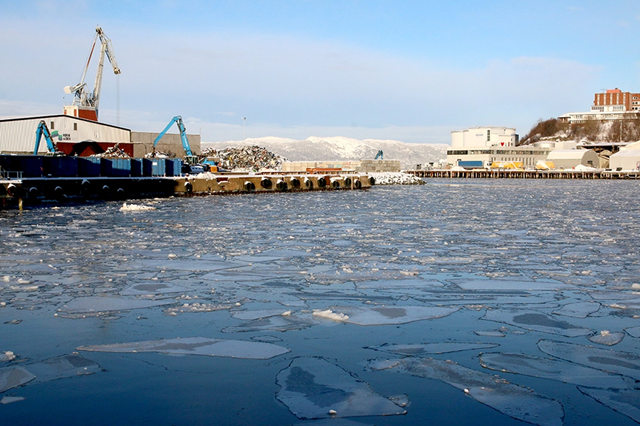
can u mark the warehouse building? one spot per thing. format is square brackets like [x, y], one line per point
[571, 158]
[627, 159]
[83, 137]
[484, 146]
[360, 166]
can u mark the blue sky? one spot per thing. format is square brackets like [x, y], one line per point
[405, 70]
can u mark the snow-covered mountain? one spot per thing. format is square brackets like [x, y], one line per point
[342, 149]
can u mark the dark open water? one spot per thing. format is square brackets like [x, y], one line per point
[474, 267]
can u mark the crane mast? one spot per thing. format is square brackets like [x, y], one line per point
[85, 104]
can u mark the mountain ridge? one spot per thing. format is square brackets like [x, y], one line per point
[340, 148]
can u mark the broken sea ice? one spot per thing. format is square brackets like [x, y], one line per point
[196, 346]
[313, 388]
[515, 401]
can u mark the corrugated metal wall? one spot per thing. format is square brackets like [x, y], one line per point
[170, 143]
[19, 136]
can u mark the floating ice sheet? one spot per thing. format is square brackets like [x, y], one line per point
[10, 399]
[553, 369]
[431, 348]
[313, 388]
[96, 304]
[625, 401]
[63, 366]
[260, 314]
[616, 362]
[513, 285]
[7, 356]
[384, 315]
[578, 310]
[536, 321]
[274, 323]
[12, 377]
[151, 288]
[633, 331]
[515, 401]
[489, 333]
[197, 307]
[197, 346]
[608, 338]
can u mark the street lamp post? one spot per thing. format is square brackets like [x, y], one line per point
[244, 128]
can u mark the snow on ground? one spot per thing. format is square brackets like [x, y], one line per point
[396, 178]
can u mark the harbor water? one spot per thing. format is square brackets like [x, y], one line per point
[456, 302]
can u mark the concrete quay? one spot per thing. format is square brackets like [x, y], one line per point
[525, 174]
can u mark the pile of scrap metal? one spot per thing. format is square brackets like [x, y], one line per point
[247, 158]
[113, 152]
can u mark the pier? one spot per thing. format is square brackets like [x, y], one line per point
[525, 174]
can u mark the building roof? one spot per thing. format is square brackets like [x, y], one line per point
[45, 117]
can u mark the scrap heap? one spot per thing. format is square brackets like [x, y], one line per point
[247, 158]
[113, 152]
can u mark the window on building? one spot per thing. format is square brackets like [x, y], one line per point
[75, 126]
[52, 126]
[488, 135]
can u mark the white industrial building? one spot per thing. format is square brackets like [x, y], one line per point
[18, 136]
[571, 158]
[490, 145]
[627, 159]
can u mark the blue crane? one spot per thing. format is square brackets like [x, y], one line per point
[44, 130]
[379, 155]
[188, 155]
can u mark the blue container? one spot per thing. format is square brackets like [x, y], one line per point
[158, 167]
[147, 167]
[89, 166]
[136, 167]
[60, 166]
[115, 167]
[27, 165]
[174, 167]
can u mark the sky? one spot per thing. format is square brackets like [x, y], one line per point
[411, 71]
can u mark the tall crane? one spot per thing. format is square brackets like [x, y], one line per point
[43, 130]
[86, 103]
[188, 155]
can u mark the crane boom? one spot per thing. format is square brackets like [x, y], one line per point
[44, 130]
[81, 97]
[183, 136]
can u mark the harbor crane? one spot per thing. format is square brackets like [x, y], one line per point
[43, 130]
[188, 155]
[379, 155]
[83, 99]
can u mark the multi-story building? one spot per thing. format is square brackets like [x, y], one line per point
[613, 104]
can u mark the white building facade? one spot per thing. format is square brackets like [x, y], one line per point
[485, 146]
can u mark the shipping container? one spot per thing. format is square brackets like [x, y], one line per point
[158, 167]
[471, 164]
[89, 167]
[136, 167]
[60, 166]
[174, 167]
[115, 167]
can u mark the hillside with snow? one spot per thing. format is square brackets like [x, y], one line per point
[341, 149]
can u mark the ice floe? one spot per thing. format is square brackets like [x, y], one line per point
[151, 288]
[625, 401]
[633, 331]
[608, 360]
[7, 356]
[548, 368]
[431, 348]
[384, 315]
[489, 333]
[512, 285]
[260, 314]
[515, 401]
[196, 346]
[12, 377]
[314, 388]
[96, 305]
[536, 321]
[605, 337]
[578, 310]
[10, 399]
[135, 208]
[197, 307]
[63, 366]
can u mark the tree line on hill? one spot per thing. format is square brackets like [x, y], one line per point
[627, 130]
